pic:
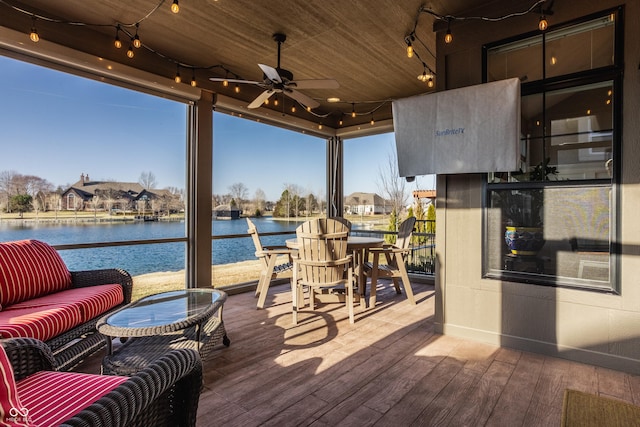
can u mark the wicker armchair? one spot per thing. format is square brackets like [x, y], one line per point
[165, 393]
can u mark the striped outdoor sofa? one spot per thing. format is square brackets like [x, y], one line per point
[32, 393]
[40, 298]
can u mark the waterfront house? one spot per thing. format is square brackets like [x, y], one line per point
[116, 197]
[578, 68]
[366, 204]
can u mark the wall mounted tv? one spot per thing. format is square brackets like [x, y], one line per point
[474, 129]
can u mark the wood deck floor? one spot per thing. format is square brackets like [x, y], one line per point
[388, 369]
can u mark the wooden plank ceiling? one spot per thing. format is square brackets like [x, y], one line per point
[358, 43]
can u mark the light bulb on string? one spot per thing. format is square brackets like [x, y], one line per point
[175, 8]
[194, 83]
[117, 43]
[177, 78]
[130, 52]
[543, 24]
[236, 89]
[33, 35]
[448, 38]
[353, 110]
[430, 82]
[136, 39]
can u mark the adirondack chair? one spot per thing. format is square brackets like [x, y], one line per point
[321, 262]
[268, 256]
[395, 267]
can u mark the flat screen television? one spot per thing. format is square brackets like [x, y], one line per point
[474, 129]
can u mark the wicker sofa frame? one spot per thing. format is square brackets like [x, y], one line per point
[71, 347]
[165, 393]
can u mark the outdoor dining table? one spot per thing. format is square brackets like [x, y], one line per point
[358, 246]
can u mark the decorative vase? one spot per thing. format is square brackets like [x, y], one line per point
[524, 240]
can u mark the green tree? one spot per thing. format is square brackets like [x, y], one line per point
[284, 206]
[20, 203]
[393, 226]
[431, 219]
[420, 225]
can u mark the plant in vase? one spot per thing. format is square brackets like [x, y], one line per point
[523, 210]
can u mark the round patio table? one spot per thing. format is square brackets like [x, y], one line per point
[158, 323]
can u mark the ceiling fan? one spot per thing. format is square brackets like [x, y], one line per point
[279, 80]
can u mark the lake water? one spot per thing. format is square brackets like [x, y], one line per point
[141, 259]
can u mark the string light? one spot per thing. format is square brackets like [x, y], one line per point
[136, 39]
[175, 8]
[135, 42]
[448, 38]
[543, 24]
[117, 43]
[430, 82]
[373, 122]
[33, 35]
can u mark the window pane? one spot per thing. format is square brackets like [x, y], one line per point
[580, 126]
[580, 47]
[91, 160]
[514, 60]
[567, 239]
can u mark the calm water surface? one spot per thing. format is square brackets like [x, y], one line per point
[141, 259]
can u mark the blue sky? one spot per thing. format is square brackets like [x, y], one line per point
[57, 126]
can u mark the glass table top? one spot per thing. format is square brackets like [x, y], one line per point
[166, 308]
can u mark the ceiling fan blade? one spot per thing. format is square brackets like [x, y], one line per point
[305, 100]
[221, 79]
[261, 98]
[271, 73]
[315, 84]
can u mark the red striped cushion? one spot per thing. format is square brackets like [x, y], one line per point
[28, 269]
[12, 410]
[53, 397]
[92, 301]
[41, 323]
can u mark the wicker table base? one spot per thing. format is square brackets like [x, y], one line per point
[136, 353]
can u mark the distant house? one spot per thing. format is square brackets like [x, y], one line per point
[117, 197]
[366, 204]
[226, 212]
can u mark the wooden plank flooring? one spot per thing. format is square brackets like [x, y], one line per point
[388, 369]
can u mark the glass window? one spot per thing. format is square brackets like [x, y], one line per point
[85, 162]
[551, 221]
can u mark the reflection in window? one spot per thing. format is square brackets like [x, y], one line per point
[550, 221]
